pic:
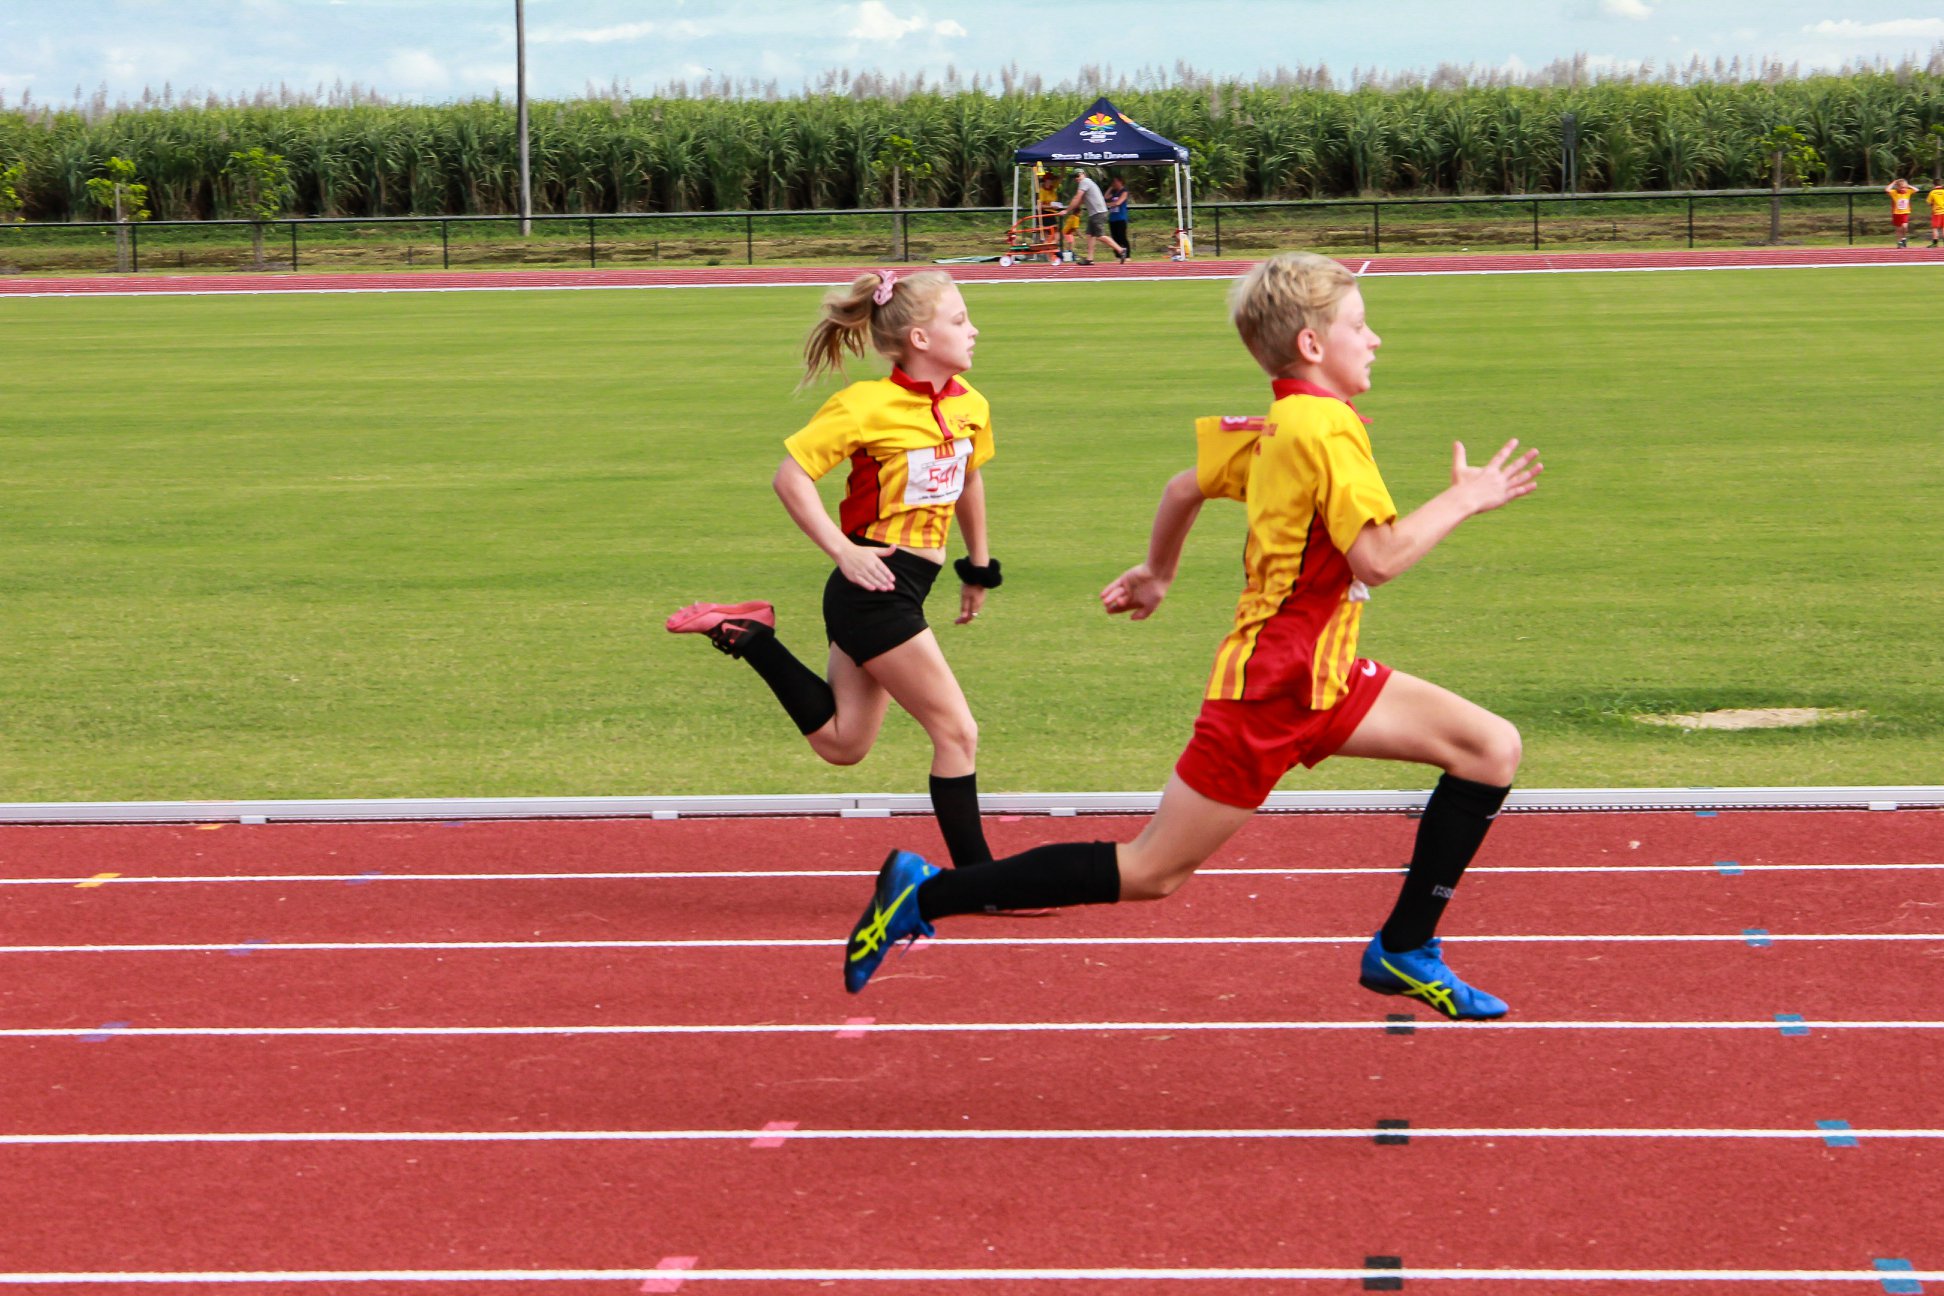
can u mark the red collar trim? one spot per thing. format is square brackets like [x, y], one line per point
[1300, 387]
[953, 387]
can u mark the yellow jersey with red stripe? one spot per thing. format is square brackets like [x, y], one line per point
[1936, 200]
[1310, 486]
[1900, 201]
[909, 448]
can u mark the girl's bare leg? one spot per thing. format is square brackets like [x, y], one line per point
[847, 738]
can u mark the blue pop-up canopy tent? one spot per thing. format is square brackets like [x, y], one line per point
[1105, 136]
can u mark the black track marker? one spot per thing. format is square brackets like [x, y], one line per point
[1395, 1136]
[1386, 1282]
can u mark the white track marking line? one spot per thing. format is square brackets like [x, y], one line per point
[960, 1135]
[693, 875]
[928, 1028]
[963, 278]
[761, 943]
[1861, 1276]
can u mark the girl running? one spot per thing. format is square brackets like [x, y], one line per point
[915, 442]
[1288, 686]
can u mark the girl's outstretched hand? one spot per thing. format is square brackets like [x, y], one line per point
[1136, 591]
[864, 567]
[1496, 482]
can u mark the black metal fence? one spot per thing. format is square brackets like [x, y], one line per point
[1714, 218]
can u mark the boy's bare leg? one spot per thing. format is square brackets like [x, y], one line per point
[1415, 720]
[1479, 752]
[1186, 829]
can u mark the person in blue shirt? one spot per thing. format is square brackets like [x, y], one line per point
[1117, 216]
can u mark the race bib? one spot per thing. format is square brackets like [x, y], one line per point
[936, 474]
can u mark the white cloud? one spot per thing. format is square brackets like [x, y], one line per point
[876, 22]
[1634, 9]
[947, 27]
[1919, 27]
[594, 35]
[417, 70]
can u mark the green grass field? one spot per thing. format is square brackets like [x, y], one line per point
[422, 544]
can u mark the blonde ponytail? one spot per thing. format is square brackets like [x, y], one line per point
[852, 312]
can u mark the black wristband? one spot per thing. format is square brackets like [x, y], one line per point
[986, 577]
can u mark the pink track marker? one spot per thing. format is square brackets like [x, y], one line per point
[779, 1127]
[671, 1263]
[854, 1027]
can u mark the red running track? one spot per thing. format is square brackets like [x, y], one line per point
[738, 276]
[526, 1078]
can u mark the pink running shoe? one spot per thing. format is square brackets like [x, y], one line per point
[729, 625]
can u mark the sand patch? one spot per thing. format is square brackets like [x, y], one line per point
[1752, 718]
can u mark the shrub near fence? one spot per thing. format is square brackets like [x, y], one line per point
[1340, 226]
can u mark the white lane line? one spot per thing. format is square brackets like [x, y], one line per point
[763, 943]
[799, 1135]
[963, 277]
[689, 875]
[1817, 1276]
[929, 1028]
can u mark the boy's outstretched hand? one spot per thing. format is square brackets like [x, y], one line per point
[1495, 483]
[1136, 591]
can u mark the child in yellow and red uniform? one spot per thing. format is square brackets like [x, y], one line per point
[1936, 200]
[1900, 191]
[1287, 686]
[915, 443]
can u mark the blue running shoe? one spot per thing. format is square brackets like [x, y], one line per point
[1421, 974]
[892, 917]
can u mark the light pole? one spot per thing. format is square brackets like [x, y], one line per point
[526, 175]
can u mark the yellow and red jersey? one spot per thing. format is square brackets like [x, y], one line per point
[1936, 200]
[1900, 201]
[1311, 485]
[910, 449]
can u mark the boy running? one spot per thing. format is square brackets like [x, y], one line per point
[1288, 686]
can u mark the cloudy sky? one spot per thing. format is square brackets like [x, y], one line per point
[438, 50]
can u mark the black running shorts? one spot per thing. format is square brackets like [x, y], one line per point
[869, 623]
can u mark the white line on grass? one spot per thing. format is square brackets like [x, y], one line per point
[948, 1135]
[691, 875]
[987, 1276]
[103, 1033]
[761, 943]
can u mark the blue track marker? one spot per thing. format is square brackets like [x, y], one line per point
[1791, 1023]
[1728, 868]
[106, 1033]
[248, 945]
[1704, 814]
[1836, 1134]
[1899, 1286]
[1758, 937]
[362, 879]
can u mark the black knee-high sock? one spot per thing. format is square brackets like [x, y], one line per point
[956, 803]
[801, 690]
[1455, 822]
[1045, 877]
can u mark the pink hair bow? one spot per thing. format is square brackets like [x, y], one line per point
[882, 293]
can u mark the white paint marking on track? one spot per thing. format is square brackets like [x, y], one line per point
[764, 943]
[692, 875]
[933, 1028]
[778, 1134]
[1874, 1277]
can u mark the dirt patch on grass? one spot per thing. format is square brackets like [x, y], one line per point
[1752, 718]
